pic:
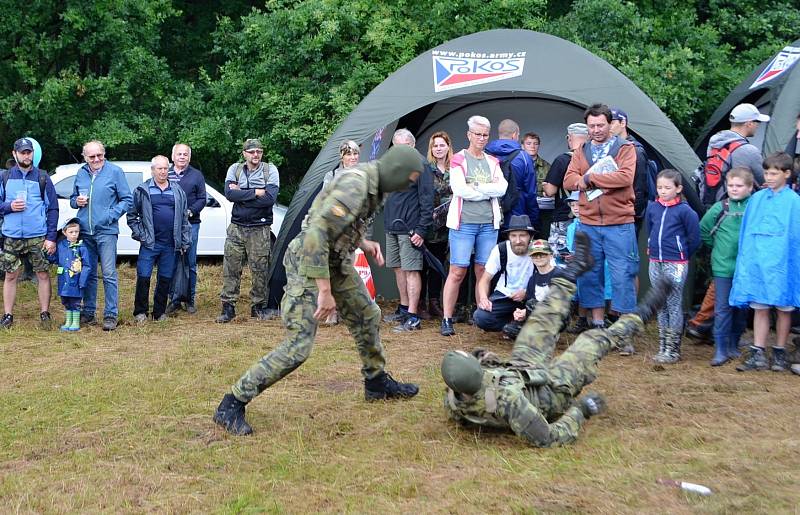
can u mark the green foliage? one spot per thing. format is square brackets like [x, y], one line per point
[142, 74]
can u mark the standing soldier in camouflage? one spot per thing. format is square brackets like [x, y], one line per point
[252, 186]
[532, 389]
[320, 278]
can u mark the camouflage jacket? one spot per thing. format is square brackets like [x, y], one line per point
[522, 399]
[338, 220]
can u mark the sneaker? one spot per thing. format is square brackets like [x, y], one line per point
[140, 318]
[399, 315]
[385, 387]
[7, 321]
[412, 323]
[109, 323]
[795, 369]
[162, 318]
[756, 360]
[446, 328]
[88, 319]
[45, 321]
[191, 309]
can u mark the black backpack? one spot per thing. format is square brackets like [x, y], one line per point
[511, 198]
[503, 249]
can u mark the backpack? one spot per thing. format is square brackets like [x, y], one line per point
[710, 174]
[722, 215]
[502, 247]
[652, 173]
[511, 198]
[5, 173]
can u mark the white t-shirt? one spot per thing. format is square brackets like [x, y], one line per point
[518, 269]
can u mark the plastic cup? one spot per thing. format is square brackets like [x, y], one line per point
[22, 195]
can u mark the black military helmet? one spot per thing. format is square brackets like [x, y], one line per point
[462, 372]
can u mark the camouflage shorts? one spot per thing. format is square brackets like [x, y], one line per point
[14, 250]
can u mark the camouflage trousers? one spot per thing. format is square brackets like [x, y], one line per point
[577, 366]
[249, 245]
[16, 249]
[355, 308]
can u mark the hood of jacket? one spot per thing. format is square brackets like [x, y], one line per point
[501, 148]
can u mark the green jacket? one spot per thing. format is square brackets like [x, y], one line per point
[725, 241]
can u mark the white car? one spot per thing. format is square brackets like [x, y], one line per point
[214, 218]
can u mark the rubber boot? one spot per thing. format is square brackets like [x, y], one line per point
[383, 386]
[75, 325]
[779, 363]
[675, 351]
[67, 321]
[721, 349]
[662, 345]
[230, 415]
[756, 360]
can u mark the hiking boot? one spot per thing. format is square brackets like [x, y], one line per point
[779, 363]
[580, 325]
[654, 299]
[435, 308]
[399, 315]
[109, 323]
[582, 260]
[511, 330]
[88, 319]
[230, 415]
[228, 313]
[412, 323]
[757, 360]
[446, 328]
[140, 318]
[45, 321]
[7, 321]
[383, 386]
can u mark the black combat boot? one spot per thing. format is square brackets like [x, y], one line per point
[230, 415]
[582, 259]
[511, 330]
[383, 386]
[228, 313]
[654, 299]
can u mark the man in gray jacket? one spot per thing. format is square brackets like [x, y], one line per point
[159, 221]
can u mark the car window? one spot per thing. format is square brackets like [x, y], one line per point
[211, 201]
[134, 179]
[64, 187]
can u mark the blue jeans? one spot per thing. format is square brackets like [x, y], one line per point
[191, 257]
[161, 255]
[480, 237]
[729, 322]
[103, 249]
[502, 312]
[616, 244]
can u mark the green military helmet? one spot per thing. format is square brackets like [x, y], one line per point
[396, 166]
[462, 372]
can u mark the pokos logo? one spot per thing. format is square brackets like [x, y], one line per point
[452, 70]
[779, 64]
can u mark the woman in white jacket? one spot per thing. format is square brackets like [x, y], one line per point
[474, 216]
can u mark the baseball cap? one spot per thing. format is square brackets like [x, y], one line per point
[539, 247]
[574, 196]
[747, 113]
[252, 143]
[23, 144]
[578, 128]
[619, 114]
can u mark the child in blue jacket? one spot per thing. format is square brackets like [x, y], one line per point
[74, 268]
[673, 235]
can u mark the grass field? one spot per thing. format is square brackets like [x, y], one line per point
[121, 422]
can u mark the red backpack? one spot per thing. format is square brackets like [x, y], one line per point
[713, 172]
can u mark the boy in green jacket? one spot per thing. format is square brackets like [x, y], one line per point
[719, 229]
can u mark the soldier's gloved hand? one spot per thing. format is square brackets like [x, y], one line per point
[592, 404]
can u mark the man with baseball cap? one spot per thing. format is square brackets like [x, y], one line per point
[510, 262]
[744, 119]
[30, 218]
[252, 186]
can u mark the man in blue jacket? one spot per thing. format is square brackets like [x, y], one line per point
[252, 186]
[192, 182]
[159, 221]
[101, 195]
[507, 147]
[30, 218]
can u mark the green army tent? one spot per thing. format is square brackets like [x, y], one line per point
[541, 81]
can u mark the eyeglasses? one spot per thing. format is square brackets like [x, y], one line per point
[479, 135]
[256, 151]
[95, 156]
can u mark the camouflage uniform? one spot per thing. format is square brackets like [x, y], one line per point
[532, 389]
[335, 225]
[250, 245]
[15, 249]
